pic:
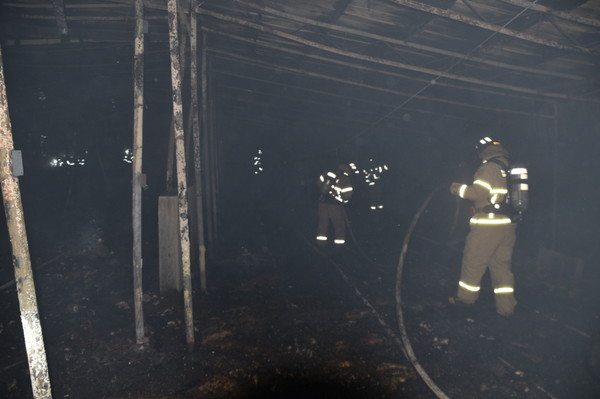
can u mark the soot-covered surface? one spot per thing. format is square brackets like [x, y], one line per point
[283, 319]
[268, 327]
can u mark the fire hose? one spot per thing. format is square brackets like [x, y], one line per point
[408, 350]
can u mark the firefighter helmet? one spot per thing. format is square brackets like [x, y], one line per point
[344, 168]
[484, 143]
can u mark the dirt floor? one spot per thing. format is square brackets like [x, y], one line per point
[296, 322]
[266, 328]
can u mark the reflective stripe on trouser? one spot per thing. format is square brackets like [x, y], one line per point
[489, 246]
[375, 196]
[335, 213]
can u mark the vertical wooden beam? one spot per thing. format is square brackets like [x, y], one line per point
[214, 171]
[210, 147]
[556, 163]
[169, 249]
[204, 136]
[181, 171]
[196, 137]
[170, 178]
[15, 220]
[61, 20]
[136, 182]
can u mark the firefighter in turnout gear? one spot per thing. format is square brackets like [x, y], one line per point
[335, 190]
[492, 235]
[372, 178]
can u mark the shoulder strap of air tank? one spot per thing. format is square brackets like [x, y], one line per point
[497, 161]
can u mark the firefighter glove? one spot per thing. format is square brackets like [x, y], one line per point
[454, 188]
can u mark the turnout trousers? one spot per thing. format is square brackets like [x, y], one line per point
[489, 247]
[335, 213]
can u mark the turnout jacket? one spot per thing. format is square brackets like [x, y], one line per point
[335, 188]
[489, 187]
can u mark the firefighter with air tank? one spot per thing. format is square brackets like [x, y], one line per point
[372, 175]
[335, 190]
[492, 235]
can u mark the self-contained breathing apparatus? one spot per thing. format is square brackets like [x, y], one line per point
[517, 198]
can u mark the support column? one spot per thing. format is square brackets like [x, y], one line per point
[15, 220]
[556, 164]
[181, 171]
[136, 182]
[196, 137]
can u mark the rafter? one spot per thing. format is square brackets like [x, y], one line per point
[405, 43]
[72, 6]
[454, 16]
[363, 85]
[559, 14]
[428, 71]
[360, 67]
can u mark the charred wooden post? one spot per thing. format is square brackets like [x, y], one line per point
[555, 172]
[204, 139]
[181, 171]
[209, 149]
[170, 180]
[61, 20]
[214, 172]
[137, 183]
[170, 183]
[15, 220]
[196, 137]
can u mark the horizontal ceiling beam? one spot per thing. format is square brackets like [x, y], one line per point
[356, 66]
[559, 14]
[404, 43]
[124, 18]
[436, 74]
[362, 85]
[454, 16]
[68, 5]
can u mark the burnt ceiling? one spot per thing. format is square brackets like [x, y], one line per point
[354, 65]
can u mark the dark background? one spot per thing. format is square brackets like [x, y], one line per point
[75, 101]
[84, 109]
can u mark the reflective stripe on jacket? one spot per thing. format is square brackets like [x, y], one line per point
[335, 188]
[488, 188]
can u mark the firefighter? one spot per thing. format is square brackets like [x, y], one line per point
[492, 234]
[372, 176]
[335, 190]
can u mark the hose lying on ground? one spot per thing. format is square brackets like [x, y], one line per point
[400, 315]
